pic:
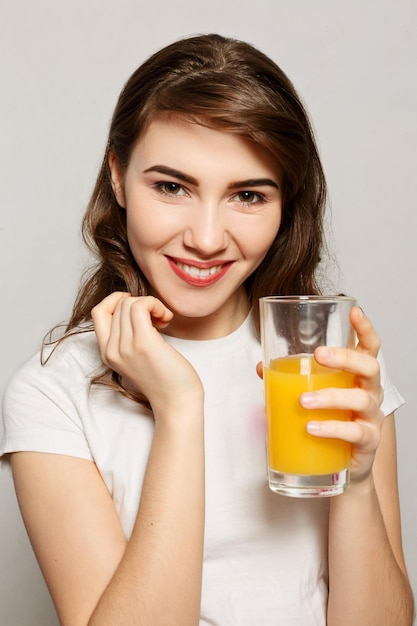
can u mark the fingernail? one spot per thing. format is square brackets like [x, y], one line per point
[308, 399]
[313, 427]
[324, 353]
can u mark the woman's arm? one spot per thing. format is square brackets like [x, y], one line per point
[95, 576]
[368, 583]
[158, 581]
[368, 577]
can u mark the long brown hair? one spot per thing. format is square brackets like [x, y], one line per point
[229, 85]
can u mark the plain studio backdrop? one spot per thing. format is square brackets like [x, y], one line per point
[62, 67]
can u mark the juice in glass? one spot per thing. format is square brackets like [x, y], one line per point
[291, 449]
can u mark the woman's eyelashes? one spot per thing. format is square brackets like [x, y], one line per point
[171, 189]
[249, 198]
[244, 198]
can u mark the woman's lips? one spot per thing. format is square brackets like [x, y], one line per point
[199, 273]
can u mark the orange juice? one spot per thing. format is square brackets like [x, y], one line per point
[291, 449]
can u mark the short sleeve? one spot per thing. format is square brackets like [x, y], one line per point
[392, 397]
[41, 409]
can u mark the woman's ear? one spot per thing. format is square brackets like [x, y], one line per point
[117, 180]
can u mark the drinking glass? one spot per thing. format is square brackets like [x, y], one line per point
[292, 327]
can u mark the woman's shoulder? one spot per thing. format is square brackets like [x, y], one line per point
[78, 348]
[41, 407]
[71, 360]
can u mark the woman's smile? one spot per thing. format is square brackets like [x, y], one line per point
[199, 273]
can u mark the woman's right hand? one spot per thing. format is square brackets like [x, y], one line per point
[126, 329]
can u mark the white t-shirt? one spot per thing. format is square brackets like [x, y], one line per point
[265, 559]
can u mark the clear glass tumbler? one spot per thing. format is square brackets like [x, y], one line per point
[292, 327]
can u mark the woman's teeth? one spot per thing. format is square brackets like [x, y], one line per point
[196, 271]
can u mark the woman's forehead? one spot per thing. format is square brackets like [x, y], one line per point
[176, 140]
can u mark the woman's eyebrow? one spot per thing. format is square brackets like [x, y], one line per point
[253, 182]
[186, 178]
[169, 171]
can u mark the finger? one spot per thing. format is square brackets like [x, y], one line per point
[102, 316]
[134, 321]
[121, 332]
[362, 434]
[354, 361]
[160, 314]
[368, 340]
[147, 313]
[357, 400]
[260, 369]
[109, 303]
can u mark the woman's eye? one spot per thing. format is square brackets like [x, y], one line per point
[172, 189]
[248, 197]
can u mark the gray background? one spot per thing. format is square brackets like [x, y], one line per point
[62, 66]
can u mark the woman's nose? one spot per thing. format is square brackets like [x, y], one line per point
[206, 231]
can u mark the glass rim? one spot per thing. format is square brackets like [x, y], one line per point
[308, 298]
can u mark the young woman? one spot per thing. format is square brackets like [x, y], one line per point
[137, 445]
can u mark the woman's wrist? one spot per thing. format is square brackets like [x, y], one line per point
[359, 490]
[188, 413]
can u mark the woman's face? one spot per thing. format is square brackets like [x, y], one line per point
[203, 207]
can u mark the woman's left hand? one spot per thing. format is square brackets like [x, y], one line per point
[364, 400]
